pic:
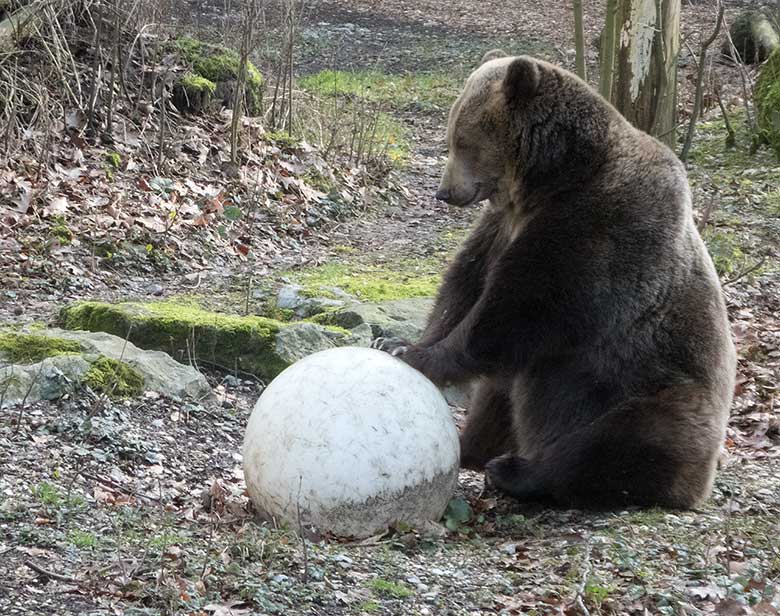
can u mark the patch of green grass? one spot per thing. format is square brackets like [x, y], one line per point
[516, 524]
[166, 538]
[60, 232]
[113, 159]
[82, 539]
[282, 138]
[369, 607]
[114, 378]
[726, 252]
[390, 590]
[427, 89]
[371, 283]
[22, 348]
[48, 495]
[597, 593]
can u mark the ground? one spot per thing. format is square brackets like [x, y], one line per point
[138, 506]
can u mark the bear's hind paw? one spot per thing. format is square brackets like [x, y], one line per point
[515, 476]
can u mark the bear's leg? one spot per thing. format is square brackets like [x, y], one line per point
[488, 430]
[649, 452]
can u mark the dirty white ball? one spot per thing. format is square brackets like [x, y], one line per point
[356, 439]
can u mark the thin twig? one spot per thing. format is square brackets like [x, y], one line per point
[586, 568]
[745, 272]
[302, 534]
[699, 83]
[54, 576]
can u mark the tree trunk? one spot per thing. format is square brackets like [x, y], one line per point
[579, 39]
[645, 73]
[608, 50]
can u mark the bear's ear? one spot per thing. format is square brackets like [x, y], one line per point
[522, 79]
[493, 54]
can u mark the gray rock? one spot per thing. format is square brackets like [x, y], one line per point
[301, 339]
[289, 297]
[403, 318]
[49, 379]
[362, 335]
[62, 374]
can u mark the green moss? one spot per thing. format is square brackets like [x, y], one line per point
[28, 348]
[114, 378]
[317, 180]
[196, 83]
[113, 159]
[60, 232]
[217, 64]
[767, 99]
[186, 329]
[282, 138]
[369, 282]
[390, 590]
[81, 539]
[426, 89]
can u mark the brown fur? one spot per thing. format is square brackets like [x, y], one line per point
[584, 301]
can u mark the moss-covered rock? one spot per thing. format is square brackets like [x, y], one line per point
[26, 348]
[46, 363]
[192, 94]
[214, 70]
[257, 345]
[767, 99]
[114, 378]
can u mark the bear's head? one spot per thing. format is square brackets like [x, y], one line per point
[521, 123]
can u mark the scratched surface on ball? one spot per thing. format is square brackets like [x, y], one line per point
[357, 439]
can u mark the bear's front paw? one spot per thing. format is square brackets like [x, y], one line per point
[394, 346]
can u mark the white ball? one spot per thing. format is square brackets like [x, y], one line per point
[355, 439]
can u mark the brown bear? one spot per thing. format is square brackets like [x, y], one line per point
[584, 303]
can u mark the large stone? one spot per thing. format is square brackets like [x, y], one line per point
[402, 318]
[290, 297]
[258, 345]
[161, 372]
[55, 376]
[755, 34]
[49, 379]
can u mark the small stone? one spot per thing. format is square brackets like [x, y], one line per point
[231, 381]
[155, 289]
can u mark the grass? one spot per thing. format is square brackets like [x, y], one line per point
[746, 218]
[372, 283]
[358, 101]
[390, 590]
[398, 91]
[82, 539]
